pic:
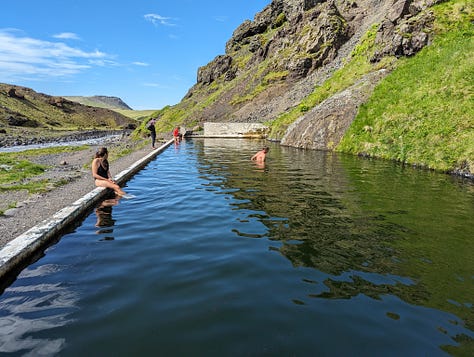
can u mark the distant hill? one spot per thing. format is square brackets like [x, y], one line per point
[100, 101]
[22, 107]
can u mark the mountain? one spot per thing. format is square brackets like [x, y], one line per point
[307, 68]
[100, 101]
[23, 108]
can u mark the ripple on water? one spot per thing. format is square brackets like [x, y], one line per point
[219, 256]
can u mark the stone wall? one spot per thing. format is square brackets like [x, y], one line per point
[235, 130]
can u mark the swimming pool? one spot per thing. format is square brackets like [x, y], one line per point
[312, 253]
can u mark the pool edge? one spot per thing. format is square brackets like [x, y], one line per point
[25, 246]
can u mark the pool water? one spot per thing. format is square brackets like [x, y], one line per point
[312, 253]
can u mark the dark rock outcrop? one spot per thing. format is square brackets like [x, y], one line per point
[322, 127]
[13, 93]
[21, 121]
[274, 61]
[219, 66]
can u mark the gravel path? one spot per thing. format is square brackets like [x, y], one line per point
[73, 168]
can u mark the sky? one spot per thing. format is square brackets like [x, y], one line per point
[146, 52]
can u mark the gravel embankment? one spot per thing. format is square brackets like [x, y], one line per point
[73, 168]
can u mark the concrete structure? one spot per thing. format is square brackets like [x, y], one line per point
[235, 130]
[19, 252]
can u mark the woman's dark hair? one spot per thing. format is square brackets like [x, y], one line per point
[101, 152]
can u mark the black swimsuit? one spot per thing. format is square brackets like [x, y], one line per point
[103, 169]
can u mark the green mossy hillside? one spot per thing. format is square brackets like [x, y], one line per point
[423, 112]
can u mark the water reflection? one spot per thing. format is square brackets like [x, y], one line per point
[311, 250]
[374, 235]
[105, 221]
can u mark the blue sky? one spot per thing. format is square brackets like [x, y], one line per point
[146, 52]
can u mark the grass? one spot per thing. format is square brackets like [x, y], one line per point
[13, 172]
[136, 114]
[10, 205]
[17, 172]
[357, 66]
[423, 113]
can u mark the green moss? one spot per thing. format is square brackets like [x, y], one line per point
[279, 21]
[262, 85]
[423, 113]
[343, 78]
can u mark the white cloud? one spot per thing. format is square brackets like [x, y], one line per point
[103, 63]
[143, 64]
[22, 57]
[67, 36]
[158, 19]
[221, 18]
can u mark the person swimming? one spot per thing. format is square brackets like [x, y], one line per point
[261, 155]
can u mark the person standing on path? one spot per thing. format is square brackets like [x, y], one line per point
[176, 135]
[101, 173]
[151, 126]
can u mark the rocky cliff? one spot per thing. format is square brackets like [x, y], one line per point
[273, 62]
[305, 67]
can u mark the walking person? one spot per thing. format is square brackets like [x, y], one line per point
[101, 173]
[151, 126]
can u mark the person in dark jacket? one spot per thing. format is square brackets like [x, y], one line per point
[151, 127]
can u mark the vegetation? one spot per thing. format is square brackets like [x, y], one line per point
[54, 114]
[423, 113]
[343, 78]
[17, 169]
[420, 114]
[99, 101]
[136, 114]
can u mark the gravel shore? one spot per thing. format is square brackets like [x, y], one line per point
[73, 170]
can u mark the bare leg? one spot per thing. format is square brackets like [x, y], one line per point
[111, 185]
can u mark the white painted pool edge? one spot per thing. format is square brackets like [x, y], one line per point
[24, 247]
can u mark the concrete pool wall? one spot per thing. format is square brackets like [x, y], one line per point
[26, 246]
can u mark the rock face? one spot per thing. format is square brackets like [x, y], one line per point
[275, 61]
[322, 128]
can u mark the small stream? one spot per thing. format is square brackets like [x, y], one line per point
[103, 140]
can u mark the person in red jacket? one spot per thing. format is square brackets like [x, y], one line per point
[176, 134]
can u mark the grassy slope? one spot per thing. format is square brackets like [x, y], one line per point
[356, 67]
[136, 114]
[67, 116]
[423, 113]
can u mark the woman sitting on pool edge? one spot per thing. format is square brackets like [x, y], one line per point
[101, 173]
